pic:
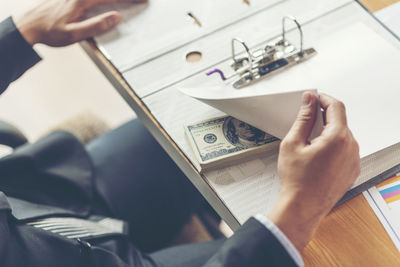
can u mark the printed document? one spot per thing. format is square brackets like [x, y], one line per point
[384, 200]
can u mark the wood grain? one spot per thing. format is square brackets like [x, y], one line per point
[375, 5]
[351, 235]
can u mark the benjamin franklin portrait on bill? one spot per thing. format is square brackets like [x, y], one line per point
[241, 134]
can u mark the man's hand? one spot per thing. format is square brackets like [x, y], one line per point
[316, 174]
[60, 22]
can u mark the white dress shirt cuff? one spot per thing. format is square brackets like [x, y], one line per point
[292, 251]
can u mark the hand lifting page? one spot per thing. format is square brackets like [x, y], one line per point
[356, 65]
[346, 68]
[273, 113]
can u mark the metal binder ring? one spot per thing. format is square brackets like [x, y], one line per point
[250, 57]
[298, 27]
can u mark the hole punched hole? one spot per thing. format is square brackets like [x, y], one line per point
[194, 56]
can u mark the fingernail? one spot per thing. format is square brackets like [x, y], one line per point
[306, 99]
[112, 21]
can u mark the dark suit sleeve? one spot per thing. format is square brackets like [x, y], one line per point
[252, 245]
[16, 54]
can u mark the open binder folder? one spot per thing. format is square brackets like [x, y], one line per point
[370, 103]
[358, 62]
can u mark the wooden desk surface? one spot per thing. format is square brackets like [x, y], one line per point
[351, 235]
[375, 5]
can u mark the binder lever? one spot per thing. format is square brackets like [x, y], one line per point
[275, 57]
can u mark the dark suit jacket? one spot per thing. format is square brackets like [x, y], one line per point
[53, 177]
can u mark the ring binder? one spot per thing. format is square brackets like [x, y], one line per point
[275, 57]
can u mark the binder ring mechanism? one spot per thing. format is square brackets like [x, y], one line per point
[277, 56]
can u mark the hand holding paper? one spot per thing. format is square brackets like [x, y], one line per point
[316, 174]
[271, 112]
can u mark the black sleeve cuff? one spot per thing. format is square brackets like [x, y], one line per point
[252, 245]
[16, 54]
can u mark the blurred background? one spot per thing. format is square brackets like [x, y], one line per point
[63, 86]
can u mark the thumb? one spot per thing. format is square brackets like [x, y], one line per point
[304, 123]
[92, 26]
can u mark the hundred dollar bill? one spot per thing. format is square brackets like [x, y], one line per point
[225, 140]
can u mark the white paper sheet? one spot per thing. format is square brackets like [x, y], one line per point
[273, 113]
[249, 188]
